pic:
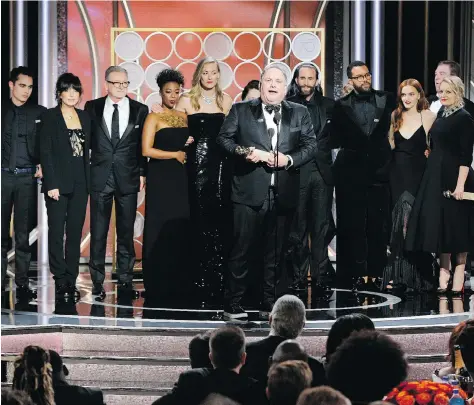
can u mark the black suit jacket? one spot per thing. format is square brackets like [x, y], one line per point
[33, 121]
[65, 394]
[195, 385]
[126, 161]
[363, 159]
[322, 107]
[56, 152]
[258, 361]
[245, 126]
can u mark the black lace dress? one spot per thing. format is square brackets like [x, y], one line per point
[413, 270]
[209, 200]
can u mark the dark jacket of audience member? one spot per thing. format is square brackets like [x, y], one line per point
[227, 356]
[367, 366]
[66, 394]
[287, 321]
[15, 397]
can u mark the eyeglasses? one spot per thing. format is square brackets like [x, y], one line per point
[360, 78]
[119, 84]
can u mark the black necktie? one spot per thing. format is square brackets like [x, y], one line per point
[272, 108]
[115, 127]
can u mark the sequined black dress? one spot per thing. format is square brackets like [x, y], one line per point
[209, 196]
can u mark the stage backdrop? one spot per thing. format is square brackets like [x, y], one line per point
[151, 35]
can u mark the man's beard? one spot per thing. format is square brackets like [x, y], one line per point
[360, 89]
[307, 90]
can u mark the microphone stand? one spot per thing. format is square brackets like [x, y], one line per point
[276, 120]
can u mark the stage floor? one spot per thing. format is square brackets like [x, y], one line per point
[123, 311]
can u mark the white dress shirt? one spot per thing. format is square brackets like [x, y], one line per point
[124, 113]
[435, 106]
[271, 125]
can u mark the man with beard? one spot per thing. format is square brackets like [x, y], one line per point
[314, 215]
[359, 127]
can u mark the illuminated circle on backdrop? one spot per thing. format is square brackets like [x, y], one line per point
[153, 98]
[259, 41]
[285, 68]
[306, 63]
[152, 71]
[135, 96]
[218, 45]
[128, 45]
[172, 50]
[239, 66]
[286, 36]
[189, 33]
[136, 75]
[306, 46]
[226, 76]
[139, 225]
[185, 76]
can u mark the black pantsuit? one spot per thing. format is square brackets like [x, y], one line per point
[116, 167]
[19, 191]
[256, 218]
[101, 210]
[69, 174]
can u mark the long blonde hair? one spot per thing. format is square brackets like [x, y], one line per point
[33, 375]
[196, 88]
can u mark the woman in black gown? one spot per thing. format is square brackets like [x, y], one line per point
[411, 122]
[209, 180]
[165, 242]
[439, 224]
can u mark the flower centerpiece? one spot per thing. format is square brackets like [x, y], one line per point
[423, 392]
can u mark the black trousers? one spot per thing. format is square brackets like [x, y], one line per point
[363, 230]
[313, 219]
[19, 191]
[66, 216]
[257, 232]
[100, 212]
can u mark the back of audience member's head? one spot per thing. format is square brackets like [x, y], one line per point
[33, 374]
[466, 342]
[322, 396]
[57, 365]
[289, 350]
[342, 329]
[287, 380]
[218, 399]
[15, 397]
[455, 333]
[288, 317]
[367, 366]
[199, 350]
[227, 347]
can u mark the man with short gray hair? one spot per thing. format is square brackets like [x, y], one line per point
[117, 173]
[287, 320]
[268, 138]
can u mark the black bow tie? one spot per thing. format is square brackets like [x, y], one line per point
[272, 108]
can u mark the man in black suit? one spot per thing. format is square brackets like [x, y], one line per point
[275, 137]
[287, 321]
[65, 394]
[20, 169]
[117, 173]
[359, 127]
[447, 68]
[227, 354]
[314, 215]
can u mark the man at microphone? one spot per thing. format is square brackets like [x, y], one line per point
[270, 139]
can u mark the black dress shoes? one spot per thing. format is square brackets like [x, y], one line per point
[320, 290]
[25, 292]
[127, 288]
[235, 313]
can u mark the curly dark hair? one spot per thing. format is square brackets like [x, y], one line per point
[367, 366]
[252, 84]
[169, 75]
[342, 329]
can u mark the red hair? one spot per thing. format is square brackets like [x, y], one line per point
[397, 117]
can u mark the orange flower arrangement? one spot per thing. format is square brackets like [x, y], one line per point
[423, 392]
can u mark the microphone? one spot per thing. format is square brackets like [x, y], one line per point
[277, 117]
